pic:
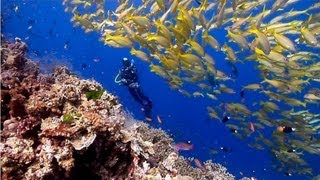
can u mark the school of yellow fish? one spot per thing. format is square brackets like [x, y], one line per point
[178, 39]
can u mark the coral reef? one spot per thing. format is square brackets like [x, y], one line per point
[51, 129]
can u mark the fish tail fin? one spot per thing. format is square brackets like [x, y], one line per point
[265, 80]
[253, 29]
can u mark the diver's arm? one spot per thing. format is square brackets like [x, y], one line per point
[134, 70]
[123, 81]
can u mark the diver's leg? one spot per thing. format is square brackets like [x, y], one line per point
[146, 103]
[136, 91]
[133, 91]
[147, 110]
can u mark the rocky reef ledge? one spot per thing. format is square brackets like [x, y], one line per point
[57, 126]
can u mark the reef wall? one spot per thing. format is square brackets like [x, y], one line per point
[57, 126]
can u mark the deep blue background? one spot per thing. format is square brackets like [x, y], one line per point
[52, 40]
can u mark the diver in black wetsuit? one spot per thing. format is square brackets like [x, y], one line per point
[129, 77]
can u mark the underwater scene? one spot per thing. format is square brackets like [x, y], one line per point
[160, 89]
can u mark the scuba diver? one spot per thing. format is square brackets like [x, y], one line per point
[129, 77]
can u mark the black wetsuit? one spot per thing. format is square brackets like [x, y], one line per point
[129, 78]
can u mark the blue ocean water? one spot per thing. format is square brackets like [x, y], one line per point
[53, 40]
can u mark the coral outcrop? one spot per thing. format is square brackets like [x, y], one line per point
[52, 129]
